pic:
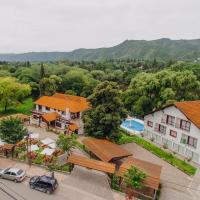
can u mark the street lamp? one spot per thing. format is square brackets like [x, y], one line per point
[27, 145]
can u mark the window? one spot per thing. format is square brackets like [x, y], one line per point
[170, 120]
[58, 124]
[63, 113]
[162, 129]
[47, 108]
[191, 141]
[173, 133]
[149, 123]
[185, 125]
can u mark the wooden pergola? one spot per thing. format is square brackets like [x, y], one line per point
[91, 163]
[105, 150]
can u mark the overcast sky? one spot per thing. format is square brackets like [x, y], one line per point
[64, 25]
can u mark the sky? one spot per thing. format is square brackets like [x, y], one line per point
[65, 25]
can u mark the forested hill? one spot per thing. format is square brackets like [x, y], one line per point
[163, 49]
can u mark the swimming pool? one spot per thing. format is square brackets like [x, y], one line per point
[133, 125]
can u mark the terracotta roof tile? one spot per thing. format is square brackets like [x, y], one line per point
[191, 109]
[63, 102]
[91, 163]
[73, 127]
[152, 171]
[105, 150]
[50, 116]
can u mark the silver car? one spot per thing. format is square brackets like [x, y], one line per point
[13, 174]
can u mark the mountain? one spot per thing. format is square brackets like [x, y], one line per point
[142, 49]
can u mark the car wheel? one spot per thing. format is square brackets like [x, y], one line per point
[32, 187]
[15, 181]
[48, 191]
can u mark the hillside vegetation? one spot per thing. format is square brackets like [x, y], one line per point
[161, 49]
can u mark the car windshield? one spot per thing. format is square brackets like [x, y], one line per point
[19, 172]
[6, 170]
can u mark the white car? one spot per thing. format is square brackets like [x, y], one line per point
[13, 174]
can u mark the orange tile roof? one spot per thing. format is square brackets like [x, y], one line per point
[191, 109]
[49, 117]
[152, 171]
[63, 102]
[91, 163]
[73, 127]
[105, 150]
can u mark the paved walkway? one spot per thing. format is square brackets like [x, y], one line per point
[82, 184]
[175, 183]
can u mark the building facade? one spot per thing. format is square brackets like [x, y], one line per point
[176, 127]
[61, 111]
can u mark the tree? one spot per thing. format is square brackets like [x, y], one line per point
[42, 72]
[65, 142]
[134, 178]
[107, 112]
[12, 130]
[12, 92]
[49, 86]
[149, 91]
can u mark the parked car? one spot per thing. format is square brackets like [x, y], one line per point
[43, 183]
[13, 174]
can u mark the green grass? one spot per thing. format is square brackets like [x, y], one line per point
[168, 157]
[24, 108]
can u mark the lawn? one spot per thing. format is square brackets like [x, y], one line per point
[168, 157]
[24, 108]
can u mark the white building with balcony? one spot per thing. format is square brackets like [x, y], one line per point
[177, 127]
[61, 111]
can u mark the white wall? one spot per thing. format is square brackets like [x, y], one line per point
[181, 148]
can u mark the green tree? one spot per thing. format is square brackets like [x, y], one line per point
[107, 112]
[12, 92]
[65, 142]
[42, 71]
[12, 130]
[149, 91]
[134, 178]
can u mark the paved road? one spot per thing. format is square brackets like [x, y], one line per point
[175, 183]
[82, 184]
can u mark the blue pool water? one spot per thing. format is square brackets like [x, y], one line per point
[133, 125]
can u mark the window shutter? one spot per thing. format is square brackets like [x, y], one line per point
[156, 128]
[164, 118]
[178, 123]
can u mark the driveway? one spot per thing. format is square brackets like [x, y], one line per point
[82, 184]
[176, 185]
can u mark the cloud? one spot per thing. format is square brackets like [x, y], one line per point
[64, 25]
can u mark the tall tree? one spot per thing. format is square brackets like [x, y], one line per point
[42, 72]
[107, 112]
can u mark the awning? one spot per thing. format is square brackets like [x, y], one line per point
[91, 163]
[47, 141]
[48, 151]
[105, 150]
[49, 117]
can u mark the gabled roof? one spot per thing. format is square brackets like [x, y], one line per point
[91, 163]
[152, 171]
[191, 109]
[63, 102]
[105, 150]
[73, 127]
